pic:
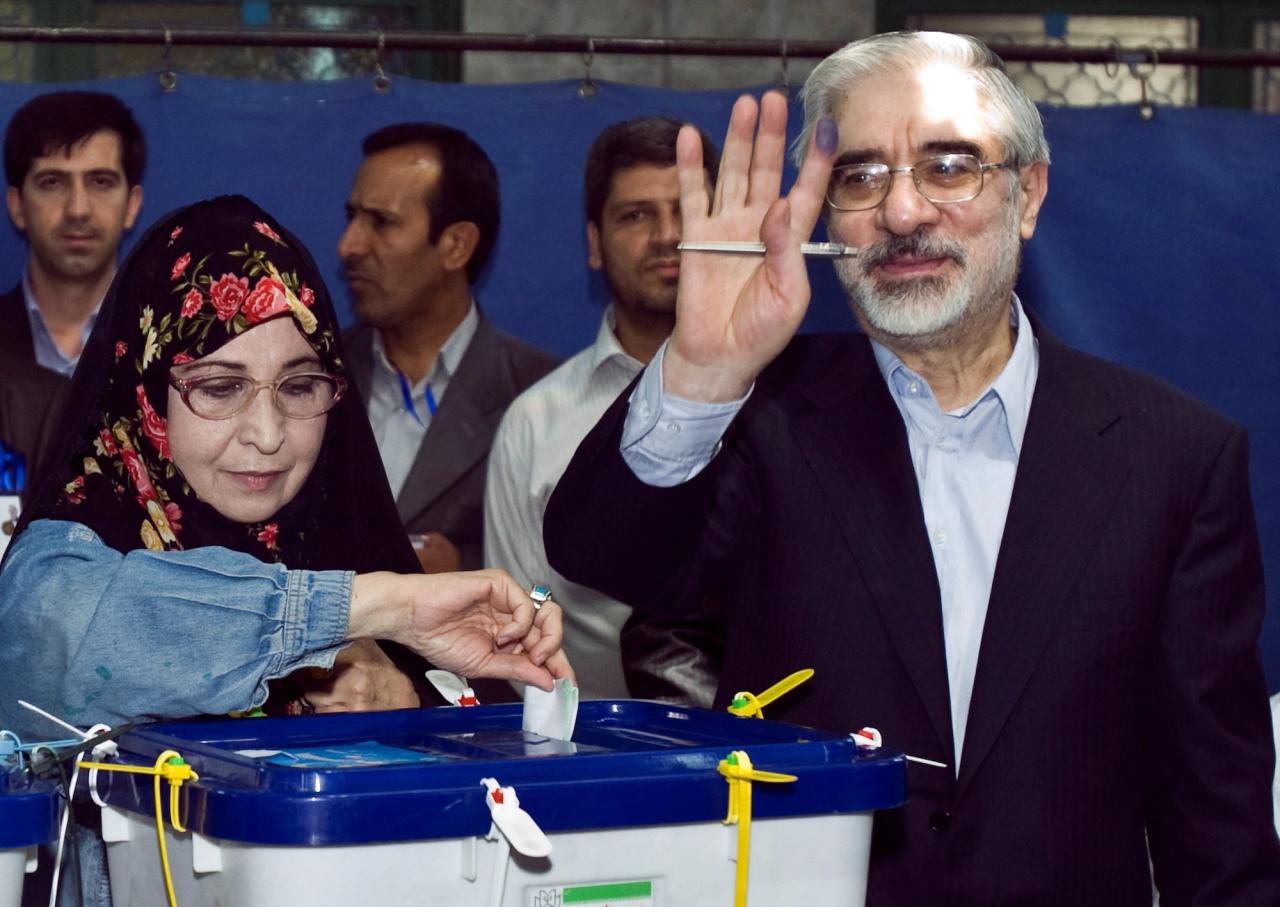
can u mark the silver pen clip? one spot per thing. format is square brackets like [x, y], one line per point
[810, 249]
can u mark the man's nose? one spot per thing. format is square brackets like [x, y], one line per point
[905, 209]
[78, 201]
[351, 244]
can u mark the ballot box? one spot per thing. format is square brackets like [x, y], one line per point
[452, 807]
[28, 819]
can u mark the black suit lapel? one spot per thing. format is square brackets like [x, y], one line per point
[1067, 482]
[854, 440]
[15, 329]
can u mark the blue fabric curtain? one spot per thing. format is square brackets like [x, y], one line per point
[1154, 247]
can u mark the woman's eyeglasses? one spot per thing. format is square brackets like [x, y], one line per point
[298, 396]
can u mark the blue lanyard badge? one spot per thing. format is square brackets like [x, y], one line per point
[13, 469]
[406, 392]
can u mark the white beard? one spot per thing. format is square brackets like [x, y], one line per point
[934, 307]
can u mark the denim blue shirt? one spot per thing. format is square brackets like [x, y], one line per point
[93, 635]
[964, 460]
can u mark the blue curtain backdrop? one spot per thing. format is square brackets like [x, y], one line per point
[1154, 248]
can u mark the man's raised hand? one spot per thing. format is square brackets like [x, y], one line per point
[735, 313]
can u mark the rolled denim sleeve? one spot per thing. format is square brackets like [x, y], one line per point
[95, 635]
[667, 440]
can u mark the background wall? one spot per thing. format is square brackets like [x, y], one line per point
[775, 20]
[1156, 246]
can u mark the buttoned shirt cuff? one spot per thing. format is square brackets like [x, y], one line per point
[314, 625]
[667, 440]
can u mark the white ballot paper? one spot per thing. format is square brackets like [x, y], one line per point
[551, 714]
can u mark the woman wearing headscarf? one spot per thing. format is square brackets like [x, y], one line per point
[213, 516]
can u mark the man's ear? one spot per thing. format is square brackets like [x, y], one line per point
[594, 259]
[133, 206]
[1034, 180]
[16, 214]
[457, 244]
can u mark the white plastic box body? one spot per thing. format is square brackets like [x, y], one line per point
[815, 861]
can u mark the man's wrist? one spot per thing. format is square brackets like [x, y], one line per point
[705, 384]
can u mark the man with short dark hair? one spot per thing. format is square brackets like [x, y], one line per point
[632, 201]
[74, 162]
[1035, 569]
[422, 220]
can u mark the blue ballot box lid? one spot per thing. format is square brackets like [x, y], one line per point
[416, 774]
[28, 810]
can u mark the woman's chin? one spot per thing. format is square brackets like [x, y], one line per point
[250, 508]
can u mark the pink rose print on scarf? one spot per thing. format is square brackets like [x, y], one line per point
[267, 299]
[154, 425]
[265, 230]
[228, 294]
[138, 474]
[121, 348]
[269, 534]
[108, 442]
[180, 265]
[177, 231]
[191, 302]
[306, 295]
[183, 359]
[173, 513]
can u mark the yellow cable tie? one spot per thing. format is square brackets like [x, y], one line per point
[745, 704]
[117, 767]
[170, 766]
[739, 773]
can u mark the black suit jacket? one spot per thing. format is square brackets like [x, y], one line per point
[31, 396]
[444, 491]
[1118, 687]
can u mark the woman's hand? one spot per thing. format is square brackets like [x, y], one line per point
[478, 624]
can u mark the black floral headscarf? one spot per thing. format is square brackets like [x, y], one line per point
[199, 278]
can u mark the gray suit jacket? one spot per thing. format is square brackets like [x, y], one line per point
[30, 395]
[444, 491]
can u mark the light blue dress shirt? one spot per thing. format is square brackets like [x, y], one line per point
[46, 351]
[965, 461]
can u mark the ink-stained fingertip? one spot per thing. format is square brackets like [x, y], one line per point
[826, 135]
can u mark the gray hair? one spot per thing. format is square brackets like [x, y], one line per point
[1015, 118]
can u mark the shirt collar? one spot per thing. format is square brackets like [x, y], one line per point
[40, 328]
[1017, 380]
[450, 355]
[1014, 385]
[607, 348]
